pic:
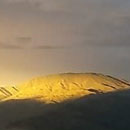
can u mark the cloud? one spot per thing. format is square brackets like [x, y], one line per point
[46, 5]
[9, 46]
[91, 22]
[19, 43]
[48, 47]
[98, 32]
[24, 40]
[115, 31]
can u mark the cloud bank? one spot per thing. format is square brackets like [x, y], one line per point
[93, 35]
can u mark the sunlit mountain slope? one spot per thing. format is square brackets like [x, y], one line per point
[57, 88]
[7, 91]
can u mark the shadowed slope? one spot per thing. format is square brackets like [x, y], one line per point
[109, 111]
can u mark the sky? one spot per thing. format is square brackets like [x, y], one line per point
[41, 37]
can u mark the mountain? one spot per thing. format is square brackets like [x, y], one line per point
[88, 101]
[57, 88]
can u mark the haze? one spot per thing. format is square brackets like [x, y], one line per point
[39, 37]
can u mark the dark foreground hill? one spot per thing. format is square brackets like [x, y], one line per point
[109, 111]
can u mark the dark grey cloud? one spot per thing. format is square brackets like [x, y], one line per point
[24, 40]
[48, 47]
[9, 46]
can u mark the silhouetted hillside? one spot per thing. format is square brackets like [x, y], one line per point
[110, 111]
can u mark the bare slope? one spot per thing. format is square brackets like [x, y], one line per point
[109, 111]
[57, 88]
[7, 91]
